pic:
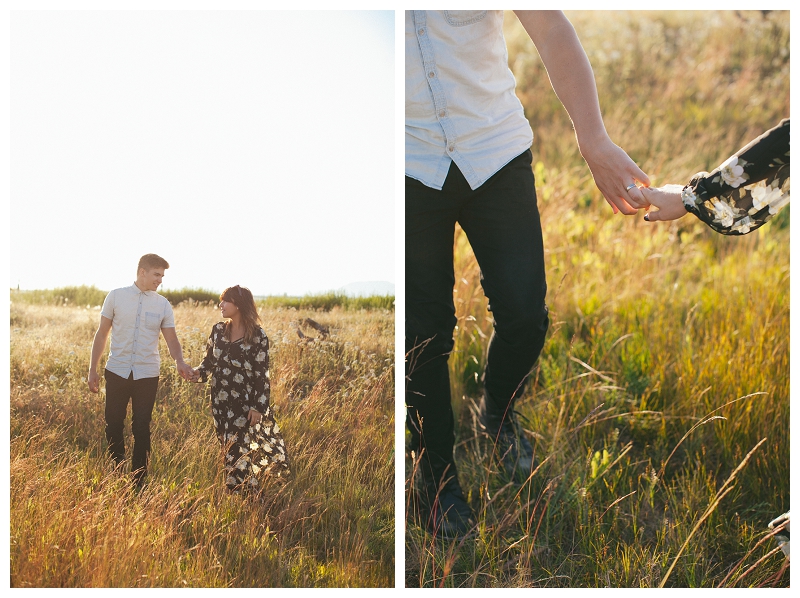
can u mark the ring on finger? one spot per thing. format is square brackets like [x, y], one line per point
[629, 187]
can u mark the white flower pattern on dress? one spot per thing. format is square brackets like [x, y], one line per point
[722, 200]
[732, 171]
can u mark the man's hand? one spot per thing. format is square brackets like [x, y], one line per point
[573, 81]
[93, 380]
[614, 173]
[253, 417]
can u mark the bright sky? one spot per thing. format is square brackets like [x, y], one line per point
[245, 147]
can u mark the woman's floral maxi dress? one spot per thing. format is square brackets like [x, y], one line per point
[747, 189]
[240, 382]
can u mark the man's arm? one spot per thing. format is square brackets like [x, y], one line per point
[98, 346]
[175, 351]
[573, 81]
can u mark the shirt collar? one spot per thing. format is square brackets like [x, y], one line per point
[136, 289]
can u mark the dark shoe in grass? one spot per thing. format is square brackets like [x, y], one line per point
[440, 505]
[512, 449]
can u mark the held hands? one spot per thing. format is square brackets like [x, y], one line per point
[187, 373]
[668, 201]
[615, 174]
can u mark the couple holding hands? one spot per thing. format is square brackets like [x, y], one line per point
[468, 162]
[236, 363]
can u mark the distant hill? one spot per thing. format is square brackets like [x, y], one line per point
[367, 289]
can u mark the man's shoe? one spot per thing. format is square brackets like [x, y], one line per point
[510, 445]
[440, 504]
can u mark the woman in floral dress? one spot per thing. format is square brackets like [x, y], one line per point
[742, 194]
[237, 360]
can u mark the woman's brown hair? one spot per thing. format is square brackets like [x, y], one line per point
[242, 298]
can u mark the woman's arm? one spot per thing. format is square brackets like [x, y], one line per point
[261, 387]
[740, 195]
[212, 354]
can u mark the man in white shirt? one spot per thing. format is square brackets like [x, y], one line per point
[468, 161]
[135, 316]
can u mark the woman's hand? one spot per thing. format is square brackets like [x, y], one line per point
[668, 201]
[254, 417]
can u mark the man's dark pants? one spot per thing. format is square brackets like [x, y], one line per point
[501, 221]
[142, 394]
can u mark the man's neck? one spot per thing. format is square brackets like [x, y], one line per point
[136, 284]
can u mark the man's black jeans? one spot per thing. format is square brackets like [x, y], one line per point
[142, 394]
[501, 221]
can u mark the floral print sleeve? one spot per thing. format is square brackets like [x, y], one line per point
[258, 373]
[746, 190]
[212, 352]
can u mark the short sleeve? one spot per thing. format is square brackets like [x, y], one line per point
[169, 316]
[108, 306]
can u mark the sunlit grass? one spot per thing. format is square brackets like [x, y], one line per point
[667, 358]
[76, 523]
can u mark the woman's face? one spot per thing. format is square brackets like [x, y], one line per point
[227, 309]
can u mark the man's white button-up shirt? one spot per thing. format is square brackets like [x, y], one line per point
[460, 101]
[137, 318]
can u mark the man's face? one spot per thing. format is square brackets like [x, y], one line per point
[150, 279]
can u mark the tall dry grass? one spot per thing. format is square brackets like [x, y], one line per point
[659, 407]
[75, 522]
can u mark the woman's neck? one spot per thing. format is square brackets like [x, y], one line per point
[236, 328]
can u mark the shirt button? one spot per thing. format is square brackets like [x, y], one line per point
[431, 75]
[451, 148]
[442, 113]
[422, 32]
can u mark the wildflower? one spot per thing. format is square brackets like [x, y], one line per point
[53, 378]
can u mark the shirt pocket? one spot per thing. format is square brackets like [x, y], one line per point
[459, 18]
[152, 320]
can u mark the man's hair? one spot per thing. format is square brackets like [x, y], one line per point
[150, 261]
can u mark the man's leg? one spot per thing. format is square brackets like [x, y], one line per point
[143, 399]
[430, 319]
[503, 227]
[118, 392]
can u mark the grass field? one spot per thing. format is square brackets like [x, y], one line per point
[660, 404]
[77, 523]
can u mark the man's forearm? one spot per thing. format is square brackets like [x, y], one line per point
[173, 344]
[569, 70]
[175, 351]
[98, 346]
